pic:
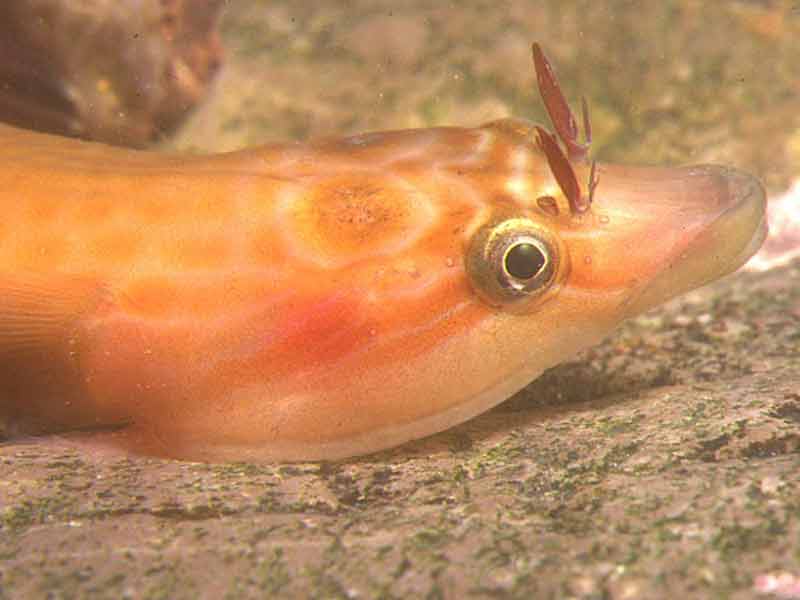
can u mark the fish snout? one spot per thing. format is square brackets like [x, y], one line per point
[671, 230]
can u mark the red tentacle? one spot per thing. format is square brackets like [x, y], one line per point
[567, 129]
[557, 107]
[562, 171]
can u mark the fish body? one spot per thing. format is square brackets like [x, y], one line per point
[333, 298]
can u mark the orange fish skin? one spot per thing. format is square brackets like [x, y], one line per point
[322, 300]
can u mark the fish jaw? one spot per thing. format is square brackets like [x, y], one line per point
[656, 233]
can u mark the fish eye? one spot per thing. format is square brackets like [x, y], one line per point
[525, 259]
[513, 260]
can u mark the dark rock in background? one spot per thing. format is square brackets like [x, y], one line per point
[122, 72]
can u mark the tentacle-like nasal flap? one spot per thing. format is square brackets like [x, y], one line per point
[563, 172]
[567, 130]
[558, 109]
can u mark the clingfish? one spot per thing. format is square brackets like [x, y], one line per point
[322, 300]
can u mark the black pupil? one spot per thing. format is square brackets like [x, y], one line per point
[524, 261]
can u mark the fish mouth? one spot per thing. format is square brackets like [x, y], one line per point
[723, 226]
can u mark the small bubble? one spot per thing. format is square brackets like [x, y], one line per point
[373, 332]
[587, 259]
[450, 262]
[604, 219]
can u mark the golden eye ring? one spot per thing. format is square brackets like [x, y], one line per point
[512, 260]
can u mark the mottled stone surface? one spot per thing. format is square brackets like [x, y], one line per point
[124, 72]
[664, 463]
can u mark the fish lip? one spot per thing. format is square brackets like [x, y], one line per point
[749, 196]
[709, 255]
[750, 193]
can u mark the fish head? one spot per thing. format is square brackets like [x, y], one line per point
[560, 279]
